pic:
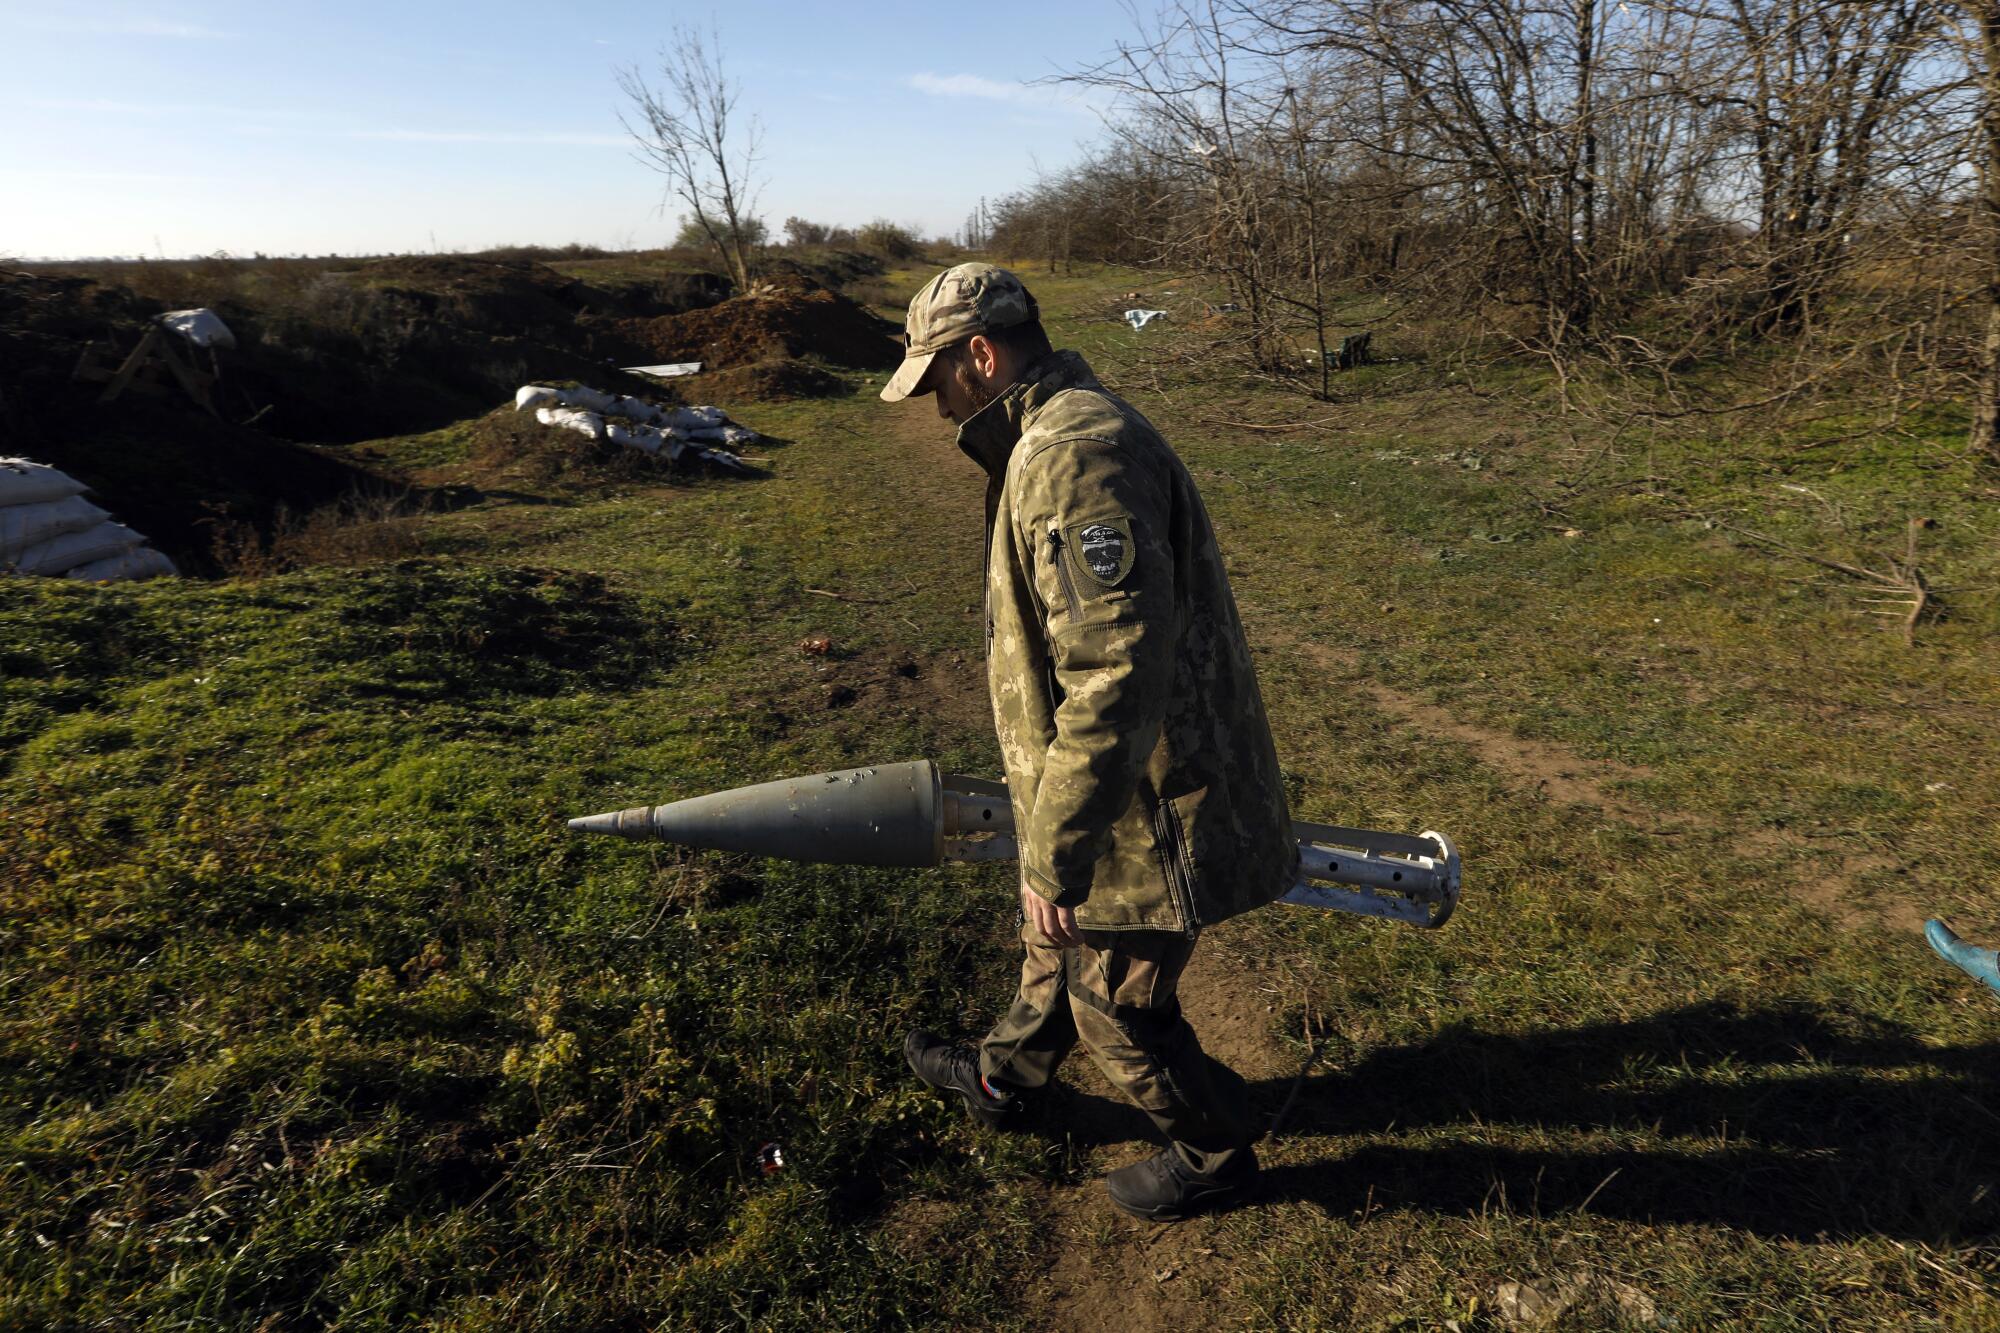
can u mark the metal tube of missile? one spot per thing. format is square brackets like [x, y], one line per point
[913, 815]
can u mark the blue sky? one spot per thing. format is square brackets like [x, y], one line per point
[366, 127]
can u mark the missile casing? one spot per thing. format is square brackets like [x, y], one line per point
[882, 816]
[911, 814]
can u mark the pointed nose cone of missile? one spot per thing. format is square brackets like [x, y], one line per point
[887, 815]
[634, 823]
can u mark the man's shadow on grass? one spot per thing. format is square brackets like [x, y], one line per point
[1776, 1121]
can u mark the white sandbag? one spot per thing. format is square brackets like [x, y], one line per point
[731, 435]
[63, 553]
[643, 438]
[22, 526]
[203, 328]
[611, 405]
[638, 425]
[696, 418]
[584, 423]
[23, 482]
[587, 398]
[141, 562]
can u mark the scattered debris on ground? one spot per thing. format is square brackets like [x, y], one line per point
[697, 434]
[48, 528]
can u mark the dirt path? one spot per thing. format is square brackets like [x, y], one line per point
[1112, 1272]
[1108, 1271]
[1542, 770]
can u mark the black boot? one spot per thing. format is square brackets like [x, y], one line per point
[1163, 1188]
[950, 1067]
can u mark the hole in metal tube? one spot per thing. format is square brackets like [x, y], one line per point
[1397, 876]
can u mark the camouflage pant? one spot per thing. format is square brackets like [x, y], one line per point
[1118, 993]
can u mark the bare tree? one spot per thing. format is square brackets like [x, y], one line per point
[1827, 96]
[684, 130]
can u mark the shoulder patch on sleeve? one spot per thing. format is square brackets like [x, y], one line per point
[1102, 549]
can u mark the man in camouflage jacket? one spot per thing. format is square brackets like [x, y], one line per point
[1147, 797]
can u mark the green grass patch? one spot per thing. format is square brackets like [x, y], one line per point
[316, 1015]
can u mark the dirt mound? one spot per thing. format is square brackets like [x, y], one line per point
[783, 324]
[522, 298]
[824, 268]
[667, 294]
[508, 449]
[499, 296]
[45, 323]
[772, 379]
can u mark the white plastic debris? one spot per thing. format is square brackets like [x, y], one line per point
[1139, 319]
[22, 526]
[141, 562]
[203, 328]
[665, 372]
[23, 482]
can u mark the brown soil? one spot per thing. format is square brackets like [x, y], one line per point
[508, 297]
[522, 298]
[781, 323]
[771, 379]
[1114, 1272]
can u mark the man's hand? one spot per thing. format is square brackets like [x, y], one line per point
[1056, 923]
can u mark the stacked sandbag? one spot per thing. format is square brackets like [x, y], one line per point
[48, 528]
[701, 433]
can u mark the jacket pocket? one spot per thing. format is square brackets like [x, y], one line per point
[1173, 830]
[1065, 580]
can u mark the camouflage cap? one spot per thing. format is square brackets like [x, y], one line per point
[957, 303]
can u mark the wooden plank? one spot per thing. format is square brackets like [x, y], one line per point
[123, 378]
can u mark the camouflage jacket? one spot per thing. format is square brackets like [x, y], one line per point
[1145, 786]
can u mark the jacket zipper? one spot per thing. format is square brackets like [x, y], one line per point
[1062, 569]
[1167, 830]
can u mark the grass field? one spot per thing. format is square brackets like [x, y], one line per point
[313, 1015]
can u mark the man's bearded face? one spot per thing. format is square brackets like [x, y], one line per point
[977, 395]
[959, 391]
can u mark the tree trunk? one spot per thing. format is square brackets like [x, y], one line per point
[1985, 438]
